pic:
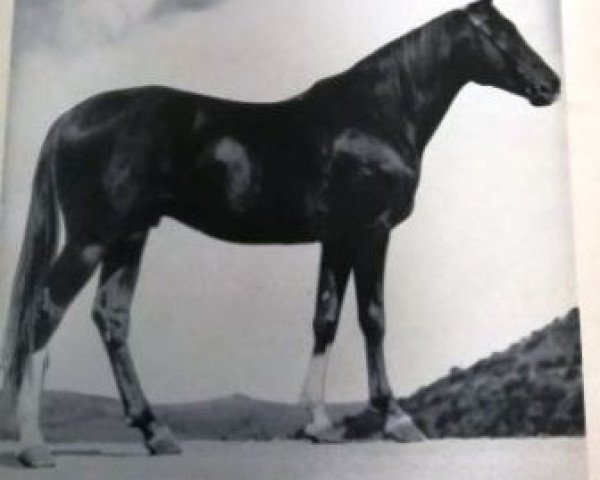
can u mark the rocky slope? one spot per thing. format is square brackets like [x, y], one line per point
[533, 388]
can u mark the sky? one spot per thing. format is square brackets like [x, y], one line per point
[485, 258]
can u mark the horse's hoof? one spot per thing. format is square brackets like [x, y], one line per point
[331, 435]
[163, 442]
[36, 456]
[324, 433]
[401, 428]
[315, 428]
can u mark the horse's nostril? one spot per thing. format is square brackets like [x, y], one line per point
[552, 87]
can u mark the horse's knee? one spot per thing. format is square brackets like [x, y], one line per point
[325, 321]
[372, 323]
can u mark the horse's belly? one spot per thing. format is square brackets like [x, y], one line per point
[251, 227]
[247, 193]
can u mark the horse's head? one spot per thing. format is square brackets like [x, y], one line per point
[498, 55]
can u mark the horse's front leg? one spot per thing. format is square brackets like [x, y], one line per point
[369, 269]
[333, 278]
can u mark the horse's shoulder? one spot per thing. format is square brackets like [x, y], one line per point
[372, 154]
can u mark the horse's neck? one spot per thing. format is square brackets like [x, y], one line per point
[420, 78]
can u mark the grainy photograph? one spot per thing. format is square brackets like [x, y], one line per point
[261, 239]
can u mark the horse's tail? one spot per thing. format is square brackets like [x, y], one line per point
[37, 253]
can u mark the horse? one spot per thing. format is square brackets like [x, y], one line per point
[338, 164]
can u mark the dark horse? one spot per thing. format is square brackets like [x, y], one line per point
[338, 164]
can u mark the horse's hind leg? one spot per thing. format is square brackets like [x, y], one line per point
[111, 313]
[69, 273]
[333, 278]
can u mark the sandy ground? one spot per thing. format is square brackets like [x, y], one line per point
[546, 459]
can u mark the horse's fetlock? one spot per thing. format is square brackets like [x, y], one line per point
[383, 402]
[142, 417]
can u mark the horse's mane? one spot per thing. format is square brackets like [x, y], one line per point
[420, 44]
[416, 50]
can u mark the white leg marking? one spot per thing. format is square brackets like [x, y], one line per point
[313, 393]
[29, 399]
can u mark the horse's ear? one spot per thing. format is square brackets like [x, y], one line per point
[479, 6]
[479, 11]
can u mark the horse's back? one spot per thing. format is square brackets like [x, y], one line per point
[233, 169]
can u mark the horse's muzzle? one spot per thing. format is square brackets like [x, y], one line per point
[544, 93]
